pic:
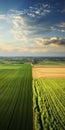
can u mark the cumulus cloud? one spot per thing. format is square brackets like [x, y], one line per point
[33, 11]
[38, 10]
[38, 48]
[21, 30]
[53, 41]
[24, 29]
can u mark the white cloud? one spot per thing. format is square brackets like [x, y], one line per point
[26, 32]
[38, 10]
[23, 28]
[31, 15]
[42, 46]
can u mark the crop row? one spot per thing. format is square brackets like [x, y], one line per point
[49, 101]
[16, 98]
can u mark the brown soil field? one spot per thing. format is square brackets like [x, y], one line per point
[48, 71]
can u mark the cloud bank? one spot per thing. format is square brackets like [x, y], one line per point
[30, 31]
[53, 41]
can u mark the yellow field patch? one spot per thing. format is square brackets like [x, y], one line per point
[48, 71]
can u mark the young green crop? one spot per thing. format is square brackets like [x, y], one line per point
[16, 97]
[49, 104]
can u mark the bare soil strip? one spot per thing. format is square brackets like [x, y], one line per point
[48, 72]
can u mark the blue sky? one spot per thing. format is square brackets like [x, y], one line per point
[32, 28]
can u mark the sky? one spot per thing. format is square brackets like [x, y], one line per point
[32, 28]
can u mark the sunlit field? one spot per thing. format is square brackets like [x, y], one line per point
[49, 97]
[32, 97]
[48, 71]
[32, 64]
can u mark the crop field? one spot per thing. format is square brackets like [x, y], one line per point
[15, 97]
[49, 104]
[48, 71]
[59, 63]
[32, 106]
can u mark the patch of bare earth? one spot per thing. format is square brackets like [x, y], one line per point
[48, 71]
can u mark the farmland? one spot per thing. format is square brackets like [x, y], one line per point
[49, 104]
[48, 71]
[49, 97]
[15, 97]
[27, 104]
[59, 63]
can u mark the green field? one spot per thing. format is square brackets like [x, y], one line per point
[18, 112]
[15, 97]
[60, 63]
[49, 104]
